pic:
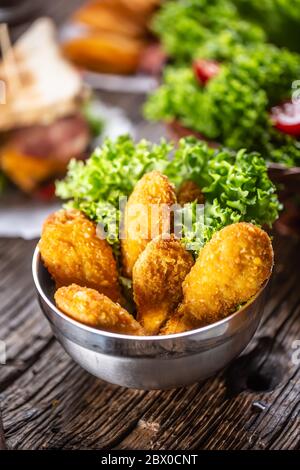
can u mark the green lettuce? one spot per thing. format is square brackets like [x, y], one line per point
[187, 28]
[279, 18]
[233, 108]
[235, 184]
[96, 186]
[216, 28]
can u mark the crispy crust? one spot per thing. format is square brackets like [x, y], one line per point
[73, 253]
[179, 323]
[90, 307]
[230, 270]
[140, 226]
[157, 281]
[189, 191]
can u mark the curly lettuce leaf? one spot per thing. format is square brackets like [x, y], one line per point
[112, 171]
[233, 108]
[236, 185]
[185, 27]
[226, 111]
[279, 18]
[97, 186]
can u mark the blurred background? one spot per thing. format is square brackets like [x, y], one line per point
[73, 72]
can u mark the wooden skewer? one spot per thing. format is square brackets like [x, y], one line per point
[9, 60]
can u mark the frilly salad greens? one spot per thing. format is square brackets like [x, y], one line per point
[233, 107]
[279, 18]
[187, 27]
[235, 184]
[195, 28]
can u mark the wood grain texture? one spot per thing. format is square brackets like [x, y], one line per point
[47, 401]
[2, 436]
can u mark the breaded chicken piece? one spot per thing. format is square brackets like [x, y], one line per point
[230, 270]
[90, 307]
[189, 191]
[179, 323]
[147, 215]
[157, 281]
[73, 253]
[142, 7]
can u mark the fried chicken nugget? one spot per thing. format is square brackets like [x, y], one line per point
[189, 191]
[147, 215]
[90, 307]
[73, 253]
[141, 6]
[105, 52]
[157, 281]
[179, 323]
[230, 270]
[110, 16]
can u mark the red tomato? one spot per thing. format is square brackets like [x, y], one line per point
[205, 70]
[286, 117]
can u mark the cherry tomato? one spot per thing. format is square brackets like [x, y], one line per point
[286, 117]
[205, 70]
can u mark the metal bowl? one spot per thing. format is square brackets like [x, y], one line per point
[150, 362]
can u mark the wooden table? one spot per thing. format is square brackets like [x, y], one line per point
[47, 401]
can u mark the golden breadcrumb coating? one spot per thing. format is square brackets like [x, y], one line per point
[230, 270]
[157, 281]
[143, 223]
[179, 323]
[189, 191]
[90, 307]
[73, 253]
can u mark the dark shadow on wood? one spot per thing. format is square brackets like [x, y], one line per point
[260, 370]
[2, 437]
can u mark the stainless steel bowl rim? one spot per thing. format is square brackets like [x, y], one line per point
[188, 334]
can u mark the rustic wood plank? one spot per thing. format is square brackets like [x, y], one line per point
[24, 330]
[2, 437]
[52, 403]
